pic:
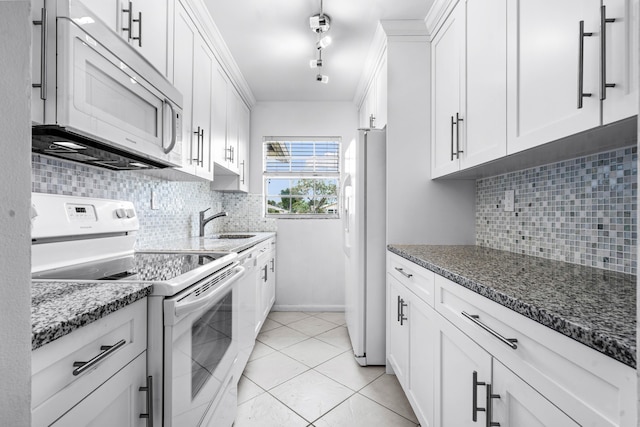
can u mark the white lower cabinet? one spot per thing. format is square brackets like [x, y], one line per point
[456, 372]
[95, 375]
[410, 334]
[516, 403]
[462, 368]
[115, 403]
[265, 281]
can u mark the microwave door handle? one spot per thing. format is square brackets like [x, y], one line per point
[182, 309]
[173, 127]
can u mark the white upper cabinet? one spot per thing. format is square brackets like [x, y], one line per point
[557, 53]
[373, 109]
[219, 116]
[547, 60]
[193, 76]
[144, 23]
[469, 87]
[620, 51]
[508, 76]
[447, 55]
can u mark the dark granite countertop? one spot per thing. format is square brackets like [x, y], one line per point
[58, 308]
[593, 306]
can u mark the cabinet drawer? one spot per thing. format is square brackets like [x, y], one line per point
[417, 279]
[593, 389]
[54, 387]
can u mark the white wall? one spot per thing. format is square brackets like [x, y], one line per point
[419, 210]
[310, 258]
[15, 249]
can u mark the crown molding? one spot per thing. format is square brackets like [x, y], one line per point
[437, 14]
[377, 53]
[221, 50]
[406, 30]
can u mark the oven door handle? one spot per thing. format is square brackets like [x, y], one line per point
[183, 308]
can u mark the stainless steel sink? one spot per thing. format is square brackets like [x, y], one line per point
[234, 236]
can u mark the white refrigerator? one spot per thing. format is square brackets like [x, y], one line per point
[364, 220]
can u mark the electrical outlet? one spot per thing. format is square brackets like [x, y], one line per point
[154, 200]
[509, 200]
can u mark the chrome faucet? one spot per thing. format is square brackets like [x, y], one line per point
[204, 221]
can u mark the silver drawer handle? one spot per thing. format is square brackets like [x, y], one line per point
[107, 350]
[401, 271]
[511, 342]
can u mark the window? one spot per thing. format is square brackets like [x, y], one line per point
[301, 177]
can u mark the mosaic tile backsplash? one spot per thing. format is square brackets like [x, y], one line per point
[179, 202]
[582, 211]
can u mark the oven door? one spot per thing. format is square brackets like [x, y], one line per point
[200, 346]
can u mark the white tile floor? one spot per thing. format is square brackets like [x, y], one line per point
[302, 373]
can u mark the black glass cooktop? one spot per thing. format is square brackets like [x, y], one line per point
[139, 267]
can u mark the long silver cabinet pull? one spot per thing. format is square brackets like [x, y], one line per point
[475, 408]
[43, 54]
[149, 389]
[139, 21]
[242, 164]
[107, 350]
[581, 93]
[603, 52]
[201, 154]
[401, 271]
[511, 342]
[452, 125]
[128, 28]
[458, 120]
[490, 397]
[402, 316]
[398, 308]
[197, 158]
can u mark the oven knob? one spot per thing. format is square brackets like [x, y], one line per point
[120, 213]
[131, 213]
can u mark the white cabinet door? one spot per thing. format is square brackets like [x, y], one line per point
[544, 70]
[149, 34]
[219, 115]
[484, 129]
[398, 312]
[447, 56]
[233, 122]
[143, 23]
[192, 76]
[381, 95]
[519, 404]
[203, 69]
[621, 56]
[458, 359]
[422, 334]
[117, 402]
[244, 146]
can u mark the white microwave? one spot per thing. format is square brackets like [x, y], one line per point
[95, 99]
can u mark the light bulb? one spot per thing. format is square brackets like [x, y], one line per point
[322, 78]
[323, 42]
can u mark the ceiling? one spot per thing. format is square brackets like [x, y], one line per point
[272, 43]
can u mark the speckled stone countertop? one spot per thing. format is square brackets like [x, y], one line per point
[593, 306]
[58, 308]
[211, 243]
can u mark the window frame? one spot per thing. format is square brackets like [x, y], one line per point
[294, 175]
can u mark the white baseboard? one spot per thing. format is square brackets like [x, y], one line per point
[277, 307]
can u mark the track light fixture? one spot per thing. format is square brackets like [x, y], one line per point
[320, 24]
[322, 78]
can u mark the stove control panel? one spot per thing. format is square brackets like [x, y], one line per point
[81, 213]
